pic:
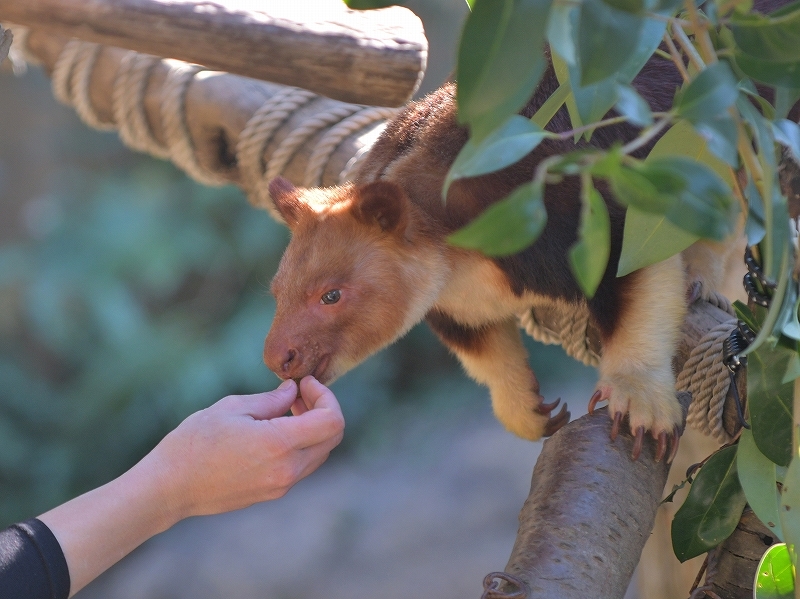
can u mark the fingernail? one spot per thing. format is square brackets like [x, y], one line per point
[286, 384]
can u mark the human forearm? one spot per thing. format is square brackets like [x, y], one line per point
[240, 451]
[102, 526]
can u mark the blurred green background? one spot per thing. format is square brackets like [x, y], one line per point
[131, 296]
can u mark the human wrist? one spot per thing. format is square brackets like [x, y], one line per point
[160, 490]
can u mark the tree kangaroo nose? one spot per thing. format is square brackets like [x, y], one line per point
[283, 361]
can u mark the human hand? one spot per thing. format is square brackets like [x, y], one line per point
[243, 450]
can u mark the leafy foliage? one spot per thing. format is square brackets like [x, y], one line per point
[684, 190]
[712, 509]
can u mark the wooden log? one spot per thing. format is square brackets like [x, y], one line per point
[591, 507]
[364, 57]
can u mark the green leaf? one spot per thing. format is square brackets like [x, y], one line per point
[508, 226]
[779, 73]
[790, 506]
[589, 256]
[708, 95]
[682, 140]
[767, 110]
[785, 98]
[649, 238]
[721, 136]
[787, 323]
[788, 133]
[500, 60]
[758, 478]
[750, 318]
[368, 4]
[791, 328]
[512, 141]
[688, 193]
[592, 102]
[774, 37]
[552, 105]
[606, 38]
[754, 228]
[712, 509]
[630, 104]
[775, 574]
[770, 402]
[792, 369]
[563, 17]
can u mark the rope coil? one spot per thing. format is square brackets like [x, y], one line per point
[128, 101]
[569, 330]
[71, 80]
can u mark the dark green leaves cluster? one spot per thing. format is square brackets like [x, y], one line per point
[500, 60]
[768, 47]
[713, 508]
[713, 153]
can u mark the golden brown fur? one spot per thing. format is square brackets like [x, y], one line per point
[380, 243]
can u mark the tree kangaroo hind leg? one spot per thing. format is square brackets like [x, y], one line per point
[636, 366]
[493, 355]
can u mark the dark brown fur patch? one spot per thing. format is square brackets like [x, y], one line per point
[454, 334]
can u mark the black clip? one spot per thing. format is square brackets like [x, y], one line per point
[735, 344]
[756, 274]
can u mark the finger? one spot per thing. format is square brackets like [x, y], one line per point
[313, 427]
[299, 407]
[272, 404]
[317, 395]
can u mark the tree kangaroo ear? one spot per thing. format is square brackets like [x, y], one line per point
[287, 200]
[384, 203]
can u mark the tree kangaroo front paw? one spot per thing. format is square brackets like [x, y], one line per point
[649, 404]
[527, 415]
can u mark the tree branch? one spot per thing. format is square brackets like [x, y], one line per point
[364, 57]
[591, 508]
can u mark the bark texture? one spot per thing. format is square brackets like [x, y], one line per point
[363, 57]
[591, 508]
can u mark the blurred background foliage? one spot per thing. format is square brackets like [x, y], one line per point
[131, 296]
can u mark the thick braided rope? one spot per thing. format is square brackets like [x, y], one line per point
[257, 134]
[704, 375]
[569, 331]
[327, 145]
[291, 143]
[176, 129]
[708, 380]
[130, 87]
[80, 82]
[62, 72]
[71, 84]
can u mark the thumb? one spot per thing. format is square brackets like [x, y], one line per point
[264, 406]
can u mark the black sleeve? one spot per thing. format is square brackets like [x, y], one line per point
[32, 565]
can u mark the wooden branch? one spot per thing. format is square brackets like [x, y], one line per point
[733, 565]
[364, 57]
[591, 508]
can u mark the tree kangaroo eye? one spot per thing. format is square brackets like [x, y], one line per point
[331, 297]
